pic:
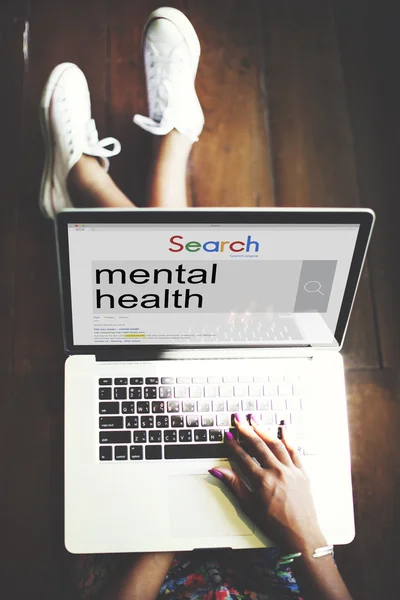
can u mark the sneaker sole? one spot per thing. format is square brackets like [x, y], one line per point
[185, 27]
[46, 203]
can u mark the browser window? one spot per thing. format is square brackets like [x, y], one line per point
[136, 284]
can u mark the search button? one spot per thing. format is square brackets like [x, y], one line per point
[311, 284]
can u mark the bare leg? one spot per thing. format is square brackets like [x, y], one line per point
[90, 186]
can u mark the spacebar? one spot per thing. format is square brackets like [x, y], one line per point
[195, 451]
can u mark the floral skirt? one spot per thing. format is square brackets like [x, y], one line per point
[201, 575]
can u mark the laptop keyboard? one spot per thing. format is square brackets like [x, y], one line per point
[167, 418]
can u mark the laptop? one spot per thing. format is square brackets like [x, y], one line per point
[173, 322]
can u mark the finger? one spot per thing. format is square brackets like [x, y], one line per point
[290, 447]
[276, 446]
[236, 485]
[256, 445]
[248, 465]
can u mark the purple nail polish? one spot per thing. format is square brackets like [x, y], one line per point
[279, 433]
[216, 473]
[238, 418]
[228, 435]
[254, 418]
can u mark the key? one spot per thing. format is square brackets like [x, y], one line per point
[245, 379]
[136, 381]
[198, 379]
[146, 422]
[120, 381]
[168, 380]
[121, 452]
[192, 421]
[128, 407]
[139, 437]
[155, 437]
[267, 418]
[136, 452]
[203, 406]
[233, 405]
[248, 405]
[278, 403]
[135, 393]
[131, 422]
[200, 435]
[255, 390]
[263, 404]
[115, 437]
[173, 406]
[270, 389]
[195, 451]
[109, 408]
[219, 405]
[195, 391]
[180, 391]
[105, 453]
[105, 393]
[215, 435]
[282, 416]
[285, 389]
[105, 381]
[158, 407]
[120, 393]
[207, 421]
[154, 452]
[230, 379]
[210, 391]
[226, 391]
[241, 391]
[185, 435]
[111, 423]
[151, 380]
[143, 407]
[275, 377]
[293, 403]
[165, 392]
[150, 393]
[223, 420]
[188, 406]
[162, 421]
[184, 380]
[170, 436]
[214, 379]
[177, 421]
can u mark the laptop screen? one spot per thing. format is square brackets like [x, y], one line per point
[136, 284]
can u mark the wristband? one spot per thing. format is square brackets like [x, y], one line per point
[318, 553]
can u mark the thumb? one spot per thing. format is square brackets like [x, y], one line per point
[236, 485]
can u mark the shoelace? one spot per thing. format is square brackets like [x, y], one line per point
[99, 147]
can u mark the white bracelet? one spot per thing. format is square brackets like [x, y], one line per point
[318, 553]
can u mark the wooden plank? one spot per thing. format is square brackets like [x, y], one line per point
[230, 165]
[369, 47]
[127, 95]
[74, 32]
[369, 563]
[310, 135]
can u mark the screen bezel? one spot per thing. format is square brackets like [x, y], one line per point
[363, 217]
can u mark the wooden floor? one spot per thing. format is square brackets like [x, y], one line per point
[301, 104]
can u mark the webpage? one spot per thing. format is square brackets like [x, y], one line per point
[135, 284]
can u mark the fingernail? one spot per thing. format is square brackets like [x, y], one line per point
[216, 473]
[282, 422]
[228, 435]
[239, 418]
[279, 433]
[254, 418]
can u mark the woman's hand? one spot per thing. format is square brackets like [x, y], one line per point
[280, 500]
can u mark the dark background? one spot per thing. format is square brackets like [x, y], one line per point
[301, 100]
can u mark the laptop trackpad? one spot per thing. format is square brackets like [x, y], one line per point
[200, 506]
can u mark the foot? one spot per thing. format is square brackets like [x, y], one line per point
[171, 56]
[68, 132]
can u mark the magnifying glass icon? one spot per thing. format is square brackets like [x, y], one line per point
[313, 286]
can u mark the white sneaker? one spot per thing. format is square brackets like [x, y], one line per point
[171, 56]
[68, 132]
